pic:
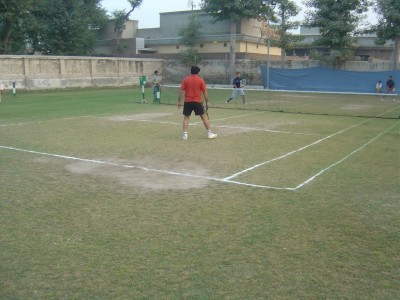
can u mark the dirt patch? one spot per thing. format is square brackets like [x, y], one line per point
[146, 174]
[137, 117]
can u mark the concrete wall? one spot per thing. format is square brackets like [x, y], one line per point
[49, 72]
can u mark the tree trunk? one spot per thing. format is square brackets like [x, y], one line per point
[232, 51]
[396, 54]
[6, 37]
[283, 51]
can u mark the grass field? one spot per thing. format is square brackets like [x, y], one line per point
[101, 199]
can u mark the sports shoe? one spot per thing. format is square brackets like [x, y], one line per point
[212, 135]
[184, 136]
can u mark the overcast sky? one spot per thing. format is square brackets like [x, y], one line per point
[148, 13]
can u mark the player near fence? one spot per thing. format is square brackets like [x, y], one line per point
[390, 87]
[238, 84]
[156, 87]
[194, 87]
[378, 87]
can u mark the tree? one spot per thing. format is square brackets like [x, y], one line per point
[66, 27]
[119, 20]
[286, 41]
[388, 27]
[121, 16]
[15, 17]
[337, 21]
[234, 11]
[189, 36]
[191, 4]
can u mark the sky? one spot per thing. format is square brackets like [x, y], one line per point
[148, 13]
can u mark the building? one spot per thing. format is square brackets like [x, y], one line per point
[165, 41]
[364, 46]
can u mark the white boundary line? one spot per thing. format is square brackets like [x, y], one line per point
[262, 129]
[108, 163]
[295, 151]
[344, 158]
[42, 121]
[144, 168]
[167, 122]
[215, 126]
[225, 180]
[291, 152]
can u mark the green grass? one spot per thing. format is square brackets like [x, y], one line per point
[76, 229]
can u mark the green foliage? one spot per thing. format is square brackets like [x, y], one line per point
[286, 10]
[119, 18]
[191, 33]
[235, 9]
[68, 27]
[337, 21]
[62, 27]
[15, 20]
[189, 57]
[388, 27]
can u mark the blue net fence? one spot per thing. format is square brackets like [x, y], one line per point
[320, 79]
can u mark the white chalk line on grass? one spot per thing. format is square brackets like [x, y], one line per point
[297, 150]
[235, 117]
[141, 168]
[225, 180]
[165, 122]
[42, 121]
[289, 153]
[108, 163]
[262, 129]
[215, 126]
[344, 158]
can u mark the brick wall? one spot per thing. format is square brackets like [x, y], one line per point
[49, 72]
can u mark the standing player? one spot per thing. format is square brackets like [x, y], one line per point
[237, 88]
[156, 87]
[390, 86]
[193, 86]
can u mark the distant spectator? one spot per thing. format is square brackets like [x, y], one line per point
[378, 87]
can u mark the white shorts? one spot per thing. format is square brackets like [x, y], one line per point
[236, 92]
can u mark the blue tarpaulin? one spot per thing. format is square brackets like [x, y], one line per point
[326, 80]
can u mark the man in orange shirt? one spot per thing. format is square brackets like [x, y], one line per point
[193, 86]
